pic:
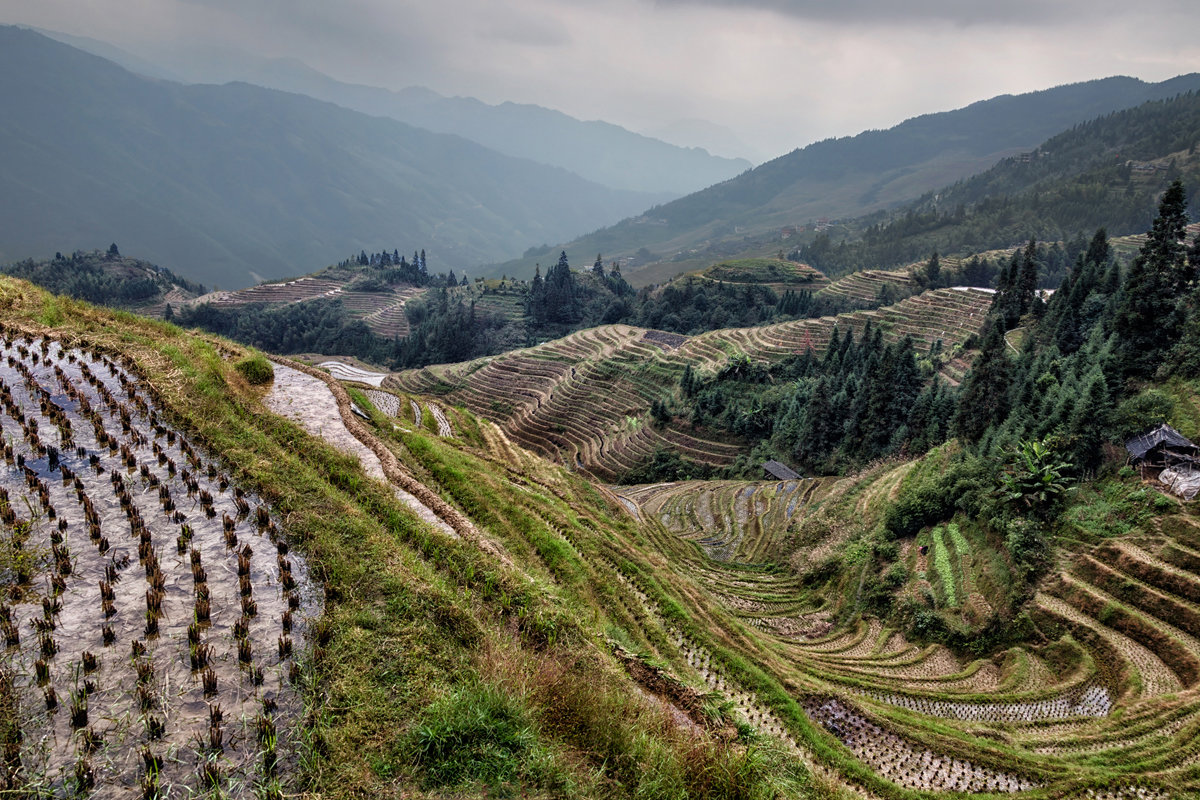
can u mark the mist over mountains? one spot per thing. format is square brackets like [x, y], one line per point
[599, 151]
[232, 184]
[850, 176]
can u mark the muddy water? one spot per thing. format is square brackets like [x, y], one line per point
[123, 490]
[308, 401]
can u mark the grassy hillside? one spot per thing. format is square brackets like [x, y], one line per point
[699, 640]
[426, 645]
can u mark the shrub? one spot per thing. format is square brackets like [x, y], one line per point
[930, 494]
[256, 369]
[945, 570]
[476, 734]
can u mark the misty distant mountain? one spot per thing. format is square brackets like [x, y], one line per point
[599, 151]
[851, 176]
[716, 139]
[229, 184]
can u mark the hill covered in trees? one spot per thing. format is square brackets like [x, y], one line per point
[235, 184]
[847, 177]
[1109, 172]
[108, 278]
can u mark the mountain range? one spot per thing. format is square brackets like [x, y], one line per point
[234, 184]
[598, 151]
[851, 176]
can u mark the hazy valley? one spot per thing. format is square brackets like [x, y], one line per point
[867, 472]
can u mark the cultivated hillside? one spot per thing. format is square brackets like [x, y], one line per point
[234, 184]
[851, 176]
[585, 400]
[697, 640]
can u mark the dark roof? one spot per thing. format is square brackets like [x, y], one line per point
[1164, 434]
[780, 471]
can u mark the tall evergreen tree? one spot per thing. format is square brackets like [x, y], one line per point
[984, 398]
[1148, 316]
[1027, 279]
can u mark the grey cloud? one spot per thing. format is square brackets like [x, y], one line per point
[1018, 13]
[536, 33]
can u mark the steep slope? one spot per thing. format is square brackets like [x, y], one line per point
[417, 634]
[600, 645]
[598, 151]
[851, 176]
[585, 400]
[1109, 172]
[232, 184]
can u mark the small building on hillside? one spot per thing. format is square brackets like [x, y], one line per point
[1168, 455]
[1161, 447]
[775, 469]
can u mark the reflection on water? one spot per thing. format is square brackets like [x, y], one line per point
[151, 610]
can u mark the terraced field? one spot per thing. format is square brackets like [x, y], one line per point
[383, 312]
[585, 399]
[777, 274]
[159, 684]
[1102, 702]
[713, 590]
[866, 285]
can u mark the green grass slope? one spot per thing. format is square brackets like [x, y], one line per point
[679, 640]
[586, 399]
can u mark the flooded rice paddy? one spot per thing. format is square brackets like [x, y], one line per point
[152, 613]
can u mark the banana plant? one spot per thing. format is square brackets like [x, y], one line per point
[1034, 480]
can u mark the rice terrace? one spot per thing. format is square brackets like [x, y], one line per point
[741, 610]
[871, 472]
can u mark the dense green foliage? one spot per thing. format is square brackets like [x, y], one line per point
[862, 401]
[315, 326]
[1104, 173]
[105, 278]
[1037, 418]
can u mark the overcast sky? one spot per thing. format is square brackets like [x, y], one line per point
[778, 73]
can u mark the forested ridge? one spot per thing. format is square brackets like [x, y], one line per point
[455, 320]
[1108, 173]
[103, 277]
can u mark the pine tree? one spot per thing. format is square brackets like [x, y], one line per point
[1088, 421]
[1147, 316]
[984, 397]
[933, 271]
[1027, 279]
[562, 296]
